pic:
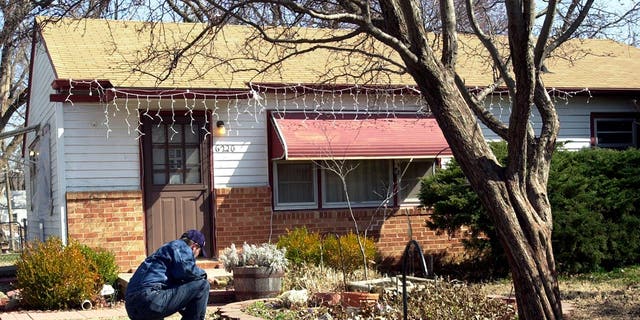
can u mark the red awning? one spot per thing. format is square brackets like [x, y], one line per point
[299, 136]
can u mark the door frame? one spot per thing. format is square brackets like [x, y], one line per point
[207, 173]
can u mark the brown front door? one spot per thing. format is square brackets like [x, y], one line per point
[176, 180]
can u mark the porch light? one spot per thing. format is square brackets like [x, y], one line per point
[220, 129]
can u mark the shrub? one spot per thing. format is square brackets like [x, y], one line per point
[53, 276]
[595, 200]
[264, 255]
[102, 262]
[595, 196]
[431, 300]
[344, 252]
[314, 279]
[302, 247]
[456, 205]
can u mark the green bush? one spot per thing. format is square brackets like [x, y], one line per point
[302, 247]
[53, 276]
[102, 262]
[595, 200]
[344, 252]
[456, 205]
[595, 197]
[309, 248]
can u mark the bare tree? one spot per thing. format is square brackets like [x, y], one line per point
[17, 21]
[423, 35]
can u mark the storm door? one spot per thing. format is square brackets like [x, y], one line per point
[176, 180]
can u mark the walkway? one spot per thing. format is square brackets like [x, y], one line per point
[112, 313]
[115, 313]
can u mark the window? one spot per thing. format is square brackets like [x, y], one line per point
[295, 184]
[310, 185]
[175, 154]
[409, 175]
[368, 183]
[618, 131]
[34, 154]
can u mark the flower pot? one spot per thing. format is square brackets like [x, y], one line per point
[256, 282]
[326, 298]
[359, 299]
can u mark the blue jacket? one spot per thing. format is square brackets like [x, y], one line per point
[171, 265]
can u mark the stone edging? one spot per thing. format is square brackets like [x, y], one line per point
[233, 311]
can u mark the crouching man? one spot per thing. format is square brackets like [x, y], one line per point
[168, 281]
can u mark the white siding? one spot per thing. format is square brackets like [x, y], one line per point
[97, 156]
[574, 115]
[240, 157]
[247, 165]
[42, 112]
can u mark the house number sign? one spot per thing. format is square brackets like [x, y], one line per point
[224, 148]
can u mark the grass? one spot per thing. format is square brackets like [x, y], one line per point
[610, 295]
[623, 276]
[8, 259]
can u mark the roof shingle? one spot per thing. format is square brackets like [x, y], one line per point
[120, 51]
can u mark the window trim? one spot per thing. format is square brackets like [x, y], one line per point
[632, 116]
[299, 205]
[319, 188]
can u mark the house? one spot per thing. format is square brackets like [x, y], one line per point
[128, 155]
[12, 220]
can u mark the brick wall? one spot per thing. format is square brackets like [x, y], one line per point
[244, 214]
[113, 220]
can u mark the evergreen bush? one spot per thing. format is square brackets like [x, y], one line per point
[595, 197]
[595, 200]
[52, 276]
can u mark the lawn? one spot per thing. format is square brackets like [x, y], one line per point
[611, 295]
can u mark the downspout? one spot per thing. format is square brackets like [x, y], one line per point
[61, 204]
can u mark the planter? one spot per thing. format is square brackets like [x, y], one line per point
[256, 283]
[359, 299]
[326, 298]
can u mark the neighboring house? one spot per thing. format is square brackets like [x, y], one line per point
[125, 161]
[11, 226]
[18, 207]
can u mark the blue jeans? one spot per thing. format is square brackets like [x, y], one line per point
[189, 299]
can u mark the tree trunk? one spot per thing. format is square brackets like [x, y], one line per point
[529, 251]
[517, 203]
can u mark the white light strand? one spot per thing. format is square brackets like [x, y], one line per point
[189, 112]
[140, 124]
[173, 119]
[286, 98]
[205, 126]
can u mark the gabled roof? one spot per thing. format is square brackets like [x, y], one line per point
[117, 51]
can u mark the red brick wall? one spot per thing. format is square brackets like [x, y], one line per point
[113, 220]
[244, 214]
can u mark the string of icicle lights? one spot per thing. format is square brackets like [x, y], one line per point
[313, 100]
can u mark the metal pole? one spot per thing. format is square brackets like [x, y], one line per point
[9, 209]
